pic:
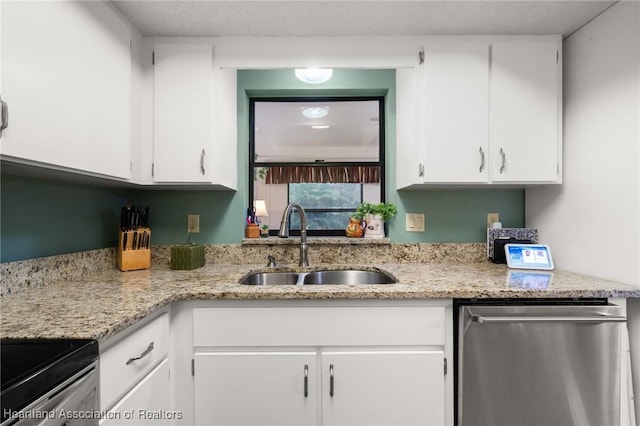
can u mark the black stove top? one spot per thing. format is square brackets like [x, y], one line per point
[31, 367]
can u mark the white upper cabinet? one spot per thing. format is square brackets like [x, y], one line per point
[480, 111]
[457, 106]
[525, 110]
[66, 81]
[189, 147]
[183, 112]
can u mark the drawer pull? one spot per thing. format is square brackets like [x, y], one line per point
[142, 355]
[306, 380]
[331, 380]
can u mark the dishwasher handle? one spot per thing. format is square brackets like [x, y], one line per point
[481, 319]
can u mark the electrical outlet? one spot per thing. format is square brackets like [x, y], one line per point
[193, 223]
[492, 217]
[415, 222]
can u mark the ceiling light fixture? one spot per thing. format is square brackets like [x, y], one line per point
[314, 75]
[315, 112]
[321, 127]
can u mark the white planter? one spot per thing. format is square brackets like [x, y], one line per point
[374, 227]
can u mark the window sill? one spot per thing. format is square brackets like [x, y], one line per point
[316, 241]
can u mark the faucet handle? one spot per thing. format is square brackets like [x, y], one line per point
[271, 261]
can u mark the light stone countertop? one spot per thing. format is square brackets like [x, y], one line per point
[106, 303]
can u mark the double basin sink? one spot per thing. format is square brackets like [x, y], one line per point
[347, 277]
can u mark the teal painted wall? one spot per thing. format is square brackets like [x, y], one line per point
[221, 217]
[41, 218]
[451, 215]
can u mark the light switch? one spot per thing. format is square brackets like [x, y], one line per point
[415, 222]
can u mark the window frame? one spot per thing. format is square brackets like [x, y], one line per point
[301, 99]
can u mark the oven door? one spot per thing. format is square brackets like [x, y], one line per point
[73, 403]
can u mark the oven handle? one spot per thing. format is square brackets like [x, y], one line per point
[531, 319]
[69, 398]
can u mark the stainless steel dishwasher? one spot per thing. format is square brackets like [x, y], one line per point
[543, 363]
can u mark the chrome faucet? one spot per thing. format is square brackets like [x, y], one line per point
[284, 230]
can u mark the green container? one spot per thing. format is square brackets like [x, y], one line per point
[187, 256]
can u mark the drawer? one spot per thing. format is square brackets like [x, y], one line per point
[128, 360]
[319, 326]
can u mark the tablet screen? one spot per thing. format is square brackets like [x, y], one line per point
[528, 256]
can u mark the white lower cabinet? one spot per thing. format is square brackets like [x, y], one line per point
[255, 388]
[378, 387]
[383, 388]
[135, 384]
[146, 403]
[317, 363]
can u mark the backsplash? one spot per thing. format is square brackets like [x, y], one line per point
[331, 251]
[25, 274]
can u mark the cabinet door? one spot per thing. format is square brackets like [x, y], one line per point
[457, 104]
[383, 388]
[147, 403]
[255, 388]
[525, 110]
[183, 112]
[409, 132]
[66, 75]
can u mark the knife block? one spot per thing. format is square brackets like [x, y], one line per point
[132, 257]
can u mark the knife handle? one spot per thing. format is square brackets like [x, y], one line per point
[123, 219]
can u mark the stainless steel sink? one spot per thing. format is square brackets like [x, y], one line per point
[348, 277]
[271, 278]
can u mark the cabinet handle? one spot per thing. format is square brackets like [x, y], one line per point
[202, 162]
[306, 380]
[331, 381]
[420, 170]
[142, 355]
[503, 160]
[5, 116]
[481, 160]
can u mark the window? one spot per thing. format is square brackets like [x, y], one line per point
[327, 154]
[328, 206]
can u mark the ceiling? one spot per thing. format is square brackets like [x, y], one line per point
[357, 17]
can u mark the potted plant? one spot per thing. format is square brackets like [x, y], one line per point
[264, 230]
[375, 215]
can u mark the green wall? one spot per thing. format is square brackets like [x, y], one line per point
[41, 218]
[451, 215]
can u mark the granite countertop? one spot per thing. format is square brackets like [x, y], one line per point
[106, 303]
